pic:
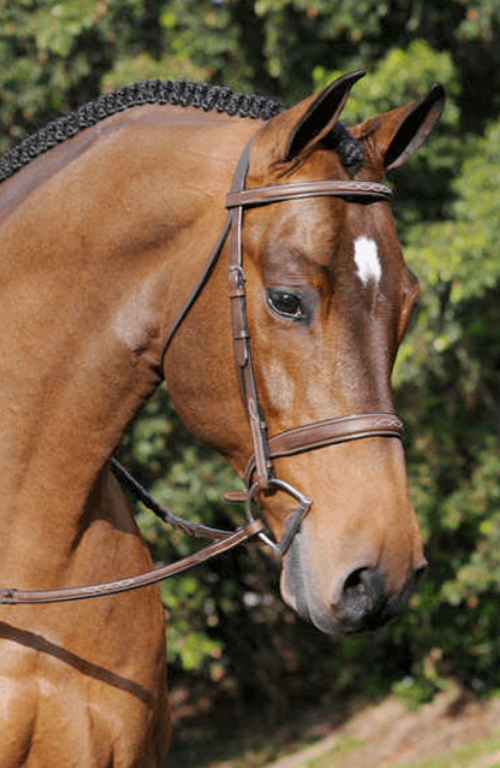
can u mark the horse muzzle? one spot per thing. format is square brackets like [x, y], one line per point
[358, 601]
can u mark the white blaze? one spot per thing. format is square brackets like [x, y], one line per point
[367, 260]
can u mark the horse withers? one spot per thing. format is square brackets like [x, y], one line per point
[107, 219]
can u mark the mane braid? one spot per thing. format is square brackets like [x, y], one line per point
[349, 149]
[184, 94]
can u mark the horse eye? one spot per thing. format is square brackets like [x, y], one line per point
[286, 304]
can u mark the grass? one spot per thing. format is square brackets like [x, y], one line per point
[261, 751]
[253, 754]
[259, 747]
[345, 745]
[253, 751]
[462, 757]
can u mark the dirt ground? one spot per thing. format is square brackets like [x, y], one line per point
[390, 735]
[385, 735]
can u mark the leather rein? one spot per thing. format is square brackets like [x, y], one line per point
[259, 474]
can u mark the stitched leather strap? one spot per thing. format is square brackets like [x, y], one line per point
[347, 189]
[11, 596]
[241, 335]
[329, 432]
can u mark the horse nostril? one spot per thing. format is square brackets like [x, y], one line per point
[363, 597]
[367, 585]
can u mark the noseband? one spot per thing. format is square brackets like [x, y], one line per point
[259, 473]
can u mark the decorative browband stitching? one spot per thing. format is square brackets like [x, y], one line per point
[369, 190]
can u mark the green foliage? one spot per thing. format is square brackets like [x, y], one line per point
[53, 56]
[401, 77]
[226, 620]
[144, 67]
[481, 21]
[410, 71]
[452, 357]
[187, 479]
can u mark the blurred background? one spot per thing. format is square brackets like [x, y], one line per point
[237, 655]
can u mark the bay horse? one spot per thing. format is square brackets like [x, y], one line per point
[107, 220]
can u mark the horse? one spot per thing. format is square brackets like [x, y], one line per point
[120, 226]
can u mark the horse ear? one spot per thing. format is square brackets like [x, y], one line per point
[314, 117]
[300, 128]
[399, 133]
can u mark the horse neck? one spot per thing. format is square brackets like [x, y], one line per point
[100, 257]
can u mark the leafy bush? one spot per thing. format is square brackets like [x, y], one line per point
[227, 622]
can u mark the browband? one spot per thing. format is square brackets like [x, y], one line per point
[347, 189]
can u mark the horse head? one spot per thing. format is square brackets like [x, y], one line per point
[328, 298]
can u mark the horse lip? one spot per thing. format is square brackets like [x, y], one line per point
[335, 620]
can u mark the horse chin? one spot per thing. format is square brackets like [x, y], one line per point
[298, 592]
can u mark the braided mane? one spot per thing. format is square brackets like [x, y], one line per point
[184, 94]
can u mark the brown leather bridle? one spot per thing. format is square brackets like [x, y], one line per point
[314, 435]
[260, 475]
